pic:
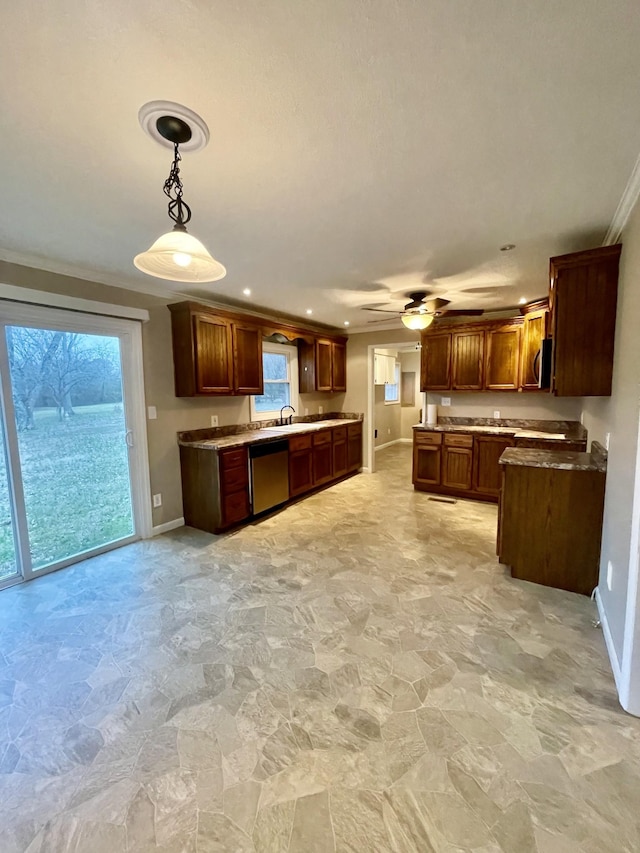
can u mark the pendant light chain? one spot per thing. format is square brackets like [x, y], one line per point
[179, 210]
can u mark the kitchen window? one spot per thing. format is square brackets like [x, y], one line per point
[392, 389]
[280, 374]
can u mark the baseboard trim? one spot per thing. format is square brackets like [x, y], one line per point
[389, 444]
[167, 526]
[608, 639]
[365, 470]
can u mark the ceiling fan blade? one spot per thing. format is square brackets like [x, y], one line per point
[383, 310]
[461, 312]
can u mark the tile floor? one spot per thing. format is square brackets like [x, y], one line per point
[356, 673]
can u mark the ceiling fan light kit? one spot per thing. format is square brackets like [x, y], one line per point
[177, 255]
[417, 321]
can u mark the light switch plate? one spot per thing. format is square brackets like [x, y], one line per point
[496, 415]
[152, 413]
[157, 500]
[214, 420]
[445, 401]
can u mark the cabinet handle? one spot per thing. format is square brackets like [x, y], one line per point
[536, 370]
[128, 437]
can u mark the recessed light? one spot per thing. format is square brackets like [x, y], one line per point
[247, 291]
[309, 311]
[507, 247]
[522, 300]
[346, 322]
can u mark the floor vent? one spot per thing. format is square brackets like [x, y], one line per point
[443, 500]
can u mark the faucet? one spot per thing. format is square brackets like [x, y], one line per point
[290, 418]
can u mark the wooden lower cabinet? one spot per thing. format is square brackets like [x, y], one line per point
[551, 525]
[300, 465]
[354, 447]
[340, 461]
[486, 471]
[322, 458]
[457, 467]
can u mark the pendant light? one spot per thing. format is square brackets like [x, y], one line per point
[176, 255]
[417, 321]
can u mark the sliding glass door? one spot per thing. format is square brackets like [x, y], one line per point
[70, 482]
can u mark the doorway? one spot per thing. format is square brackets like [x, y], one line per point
[73, 457]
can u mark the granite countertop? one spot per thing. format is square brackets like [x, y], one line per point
[558, 431]
[264, 434]
[565, 460]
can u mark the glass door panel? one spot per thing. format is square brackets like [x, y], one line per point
[8, 564]
[74, 458]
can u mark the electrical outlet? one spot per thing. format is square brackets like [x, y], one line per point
[320, 410]
[607, 438]
[157, 500]
[496, 415]
[609, 575]
[152, 413]
[445, 401]
[214, 420]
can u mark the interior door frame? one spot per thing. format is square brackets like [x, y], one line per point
[129, 333]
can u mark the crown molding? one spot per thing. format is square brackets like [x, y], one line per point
[73, 271]
[626, 205]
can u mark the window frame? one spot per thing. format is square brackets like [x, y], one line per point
[291, 352]
[396, 385]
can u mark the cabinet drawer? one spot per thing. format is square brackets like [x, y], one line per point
[299, 442]
[233, 458]
[340, 433]
[452, 440]
[322, 437]
[233, 479]
[354, 430]
[235, 507]
[428, 437]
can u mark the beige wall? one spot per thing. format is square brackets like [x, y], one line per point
[510, 404]
[410, 415]
[619, 415]
[174, 414]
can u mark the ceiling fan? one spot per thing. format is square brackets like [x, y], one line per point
[419, 313]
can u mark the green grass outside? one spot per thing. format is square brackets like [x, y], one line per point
[76, 484]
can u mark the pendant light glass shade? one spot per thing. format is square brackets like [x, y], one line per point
[417, 321]
[178, 256]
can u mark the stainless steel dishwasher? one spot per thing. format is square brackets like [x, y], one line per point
[269, 475]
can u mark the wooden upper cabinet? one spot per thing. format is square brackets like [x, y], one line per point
[583, 296]
[339, 366]
[467, 360]
[435, 362]
[322, 365]
[213, 365]
[534, 332]
[247, 359]
[502, 368]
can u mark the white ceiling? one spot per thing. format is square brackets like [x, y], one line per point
[358, 147]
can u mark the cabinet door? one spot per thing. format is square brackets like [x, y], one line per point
[354, 447]
[533, 333]
[457, 467]
[322, 463]
[247, 359]
[503, 359]
[323, 366]
[435, 362]
[212, 344]
[339, 366]
[467, 359]
[300, 472]
[340, 462]
[583, 294]
[426, 464]
[487, 475]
